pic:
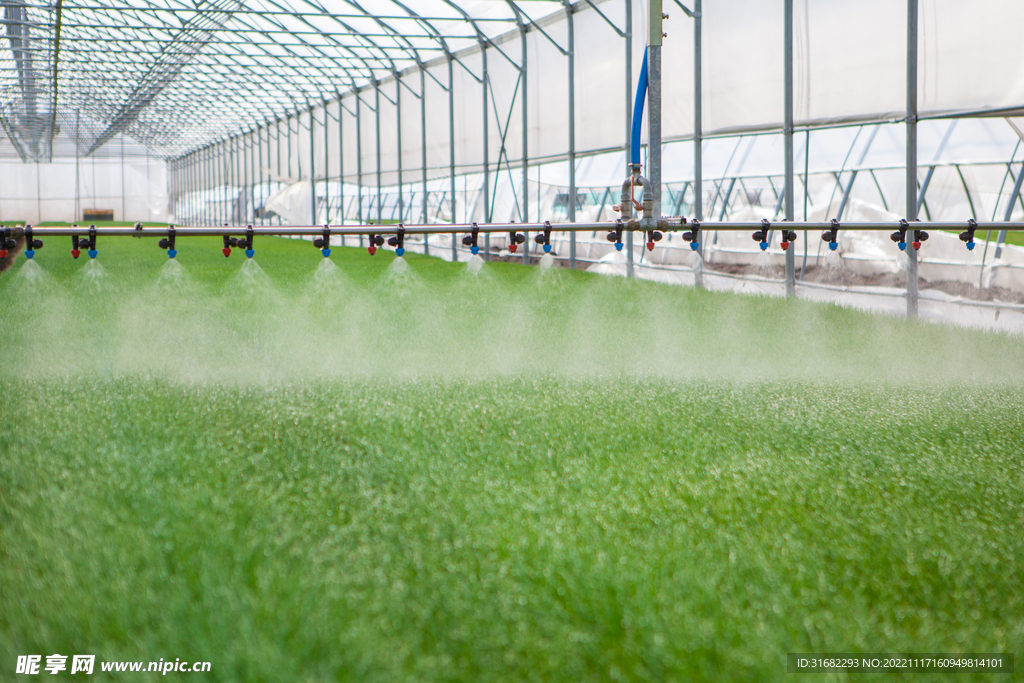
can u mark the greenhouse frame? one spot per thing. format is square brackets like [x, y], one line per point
[311, 112]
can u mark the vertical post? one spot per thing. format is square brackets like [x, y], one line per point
[398, 118]
[312, 165]
[571, 205]
[341, 168]
[451, 146]
[629, 121]
[787, 134]
[487, 159]
[526, 142]
[912, 17]
[123, 215]
[259, 141]
[376, 117]
[78, 198]
[423, 150]
[359, 162]
[654, 106]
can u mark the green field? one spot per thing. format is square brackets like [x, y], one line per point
[375, 475]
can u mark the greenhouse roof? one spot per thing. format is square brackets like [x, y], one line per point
[178, 74]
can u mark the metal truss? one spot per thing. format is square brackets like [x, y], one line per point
[178, 75]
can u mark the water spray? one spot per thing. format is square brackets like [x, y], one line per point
[968, 235]
[31, 244]
[693, 236]
[832, 236]
[470, 240]
[168, 242]
[398, 241]
[544, 238]
[323, 243]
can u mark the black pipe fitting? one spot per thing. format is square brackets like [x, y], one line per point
[514, 240]
[968, 235]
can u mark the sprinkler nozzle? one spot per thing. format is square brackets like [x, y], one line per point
[398, 241]
[514, 240]
[919, 236]
[471, 240]
[544, 238]
[374, 242]
[761, 236]
[693, 236]
[616, 234]
[968, 235]
[168, 242]
[31, 244]
[652, 237]
[900, 236]
[324, 243]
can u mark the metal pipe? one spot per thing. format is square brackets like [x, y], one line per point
[631, 149]
[698, 129]
[423, 148]
[787, 134]
[631, 225]
[912, 19]
[451, 145]
[572, 130]
[487, 160]
[654, 110]
[526, 140]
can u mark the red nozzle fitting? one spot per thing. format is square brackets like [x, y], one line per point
[650, 246]
[513, 247]
[3, 253]
[916, 245]
[226, 251]
[372, 249]
[785, 246]
[75, 253]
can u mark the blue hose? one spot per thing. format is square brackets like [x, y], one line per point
[638, 113]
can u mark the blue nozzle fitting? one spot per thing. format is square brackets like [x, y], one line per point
[475, 250]
[694, 246]
[547, 248]
[764, 246]
[171, 253]
[93, 253]
[902, 246]
[326, 253]
[833, 245]
[401, 251]
[250, 253]
[30, 253]
[618, 246]
[970, 246]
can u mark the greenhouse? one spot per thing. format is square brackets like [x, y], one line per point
[511, 340]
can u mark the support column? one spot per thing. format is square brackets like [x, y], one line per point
[312, 165]
[654, 107]
[451, 147]
[698, 132]
[629, 121]
[423, 151]
[571, 205]
[526, 143]
[487, 160]
[787, 134]
[912, 18]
